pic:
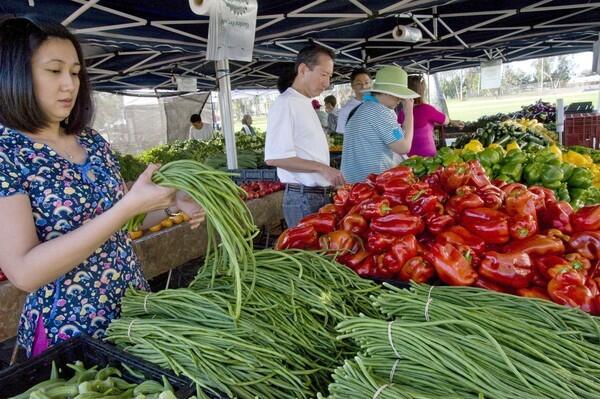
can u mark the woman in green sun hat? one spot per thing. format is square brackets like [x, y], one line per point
[373, 134]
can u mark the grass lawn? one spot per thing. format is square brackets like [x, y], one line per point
[473, 108]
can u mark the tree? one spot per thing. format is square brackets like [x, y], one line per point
[555, 69]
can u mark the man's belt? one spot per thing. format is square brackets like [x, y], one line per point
[309, 189]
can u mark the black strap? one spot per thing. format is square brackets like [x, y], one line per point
[351, 114]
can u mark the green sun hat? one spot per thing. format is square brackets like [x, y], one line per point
[392, 80]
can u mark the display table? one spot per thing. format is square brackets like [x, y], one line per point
[158, 252]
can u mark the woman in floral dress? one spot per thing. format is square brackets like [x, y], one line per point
[62, 200]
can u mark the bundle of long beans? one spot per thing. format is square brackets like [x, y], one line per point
[284, 343]
[230, 227]
[458, 342]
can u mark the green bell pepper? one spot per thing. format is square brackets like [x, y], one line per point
[567, 169]
[548, 158]
[533, 173]
[562, 193]
[450, 159]
[490, 156]
[469, 156]
[552, 176]
[580, 178]
[515, 156]
[578, 197]
[505, 178]
[514, 170]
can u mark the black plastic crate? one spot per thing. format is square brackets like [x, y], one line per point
[91, 352]
[252, 175]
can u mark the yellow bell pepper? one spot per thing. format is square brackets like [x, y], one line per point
[474, 146]
[512, 146]
[496, 145]
[577, 159]
[555, 150]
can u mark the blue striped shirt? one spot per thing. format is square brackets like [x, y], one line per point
[369, 132]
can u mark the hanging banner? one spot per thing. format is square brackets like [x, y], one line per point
[185, 83]
[491, 74]
[231, 30]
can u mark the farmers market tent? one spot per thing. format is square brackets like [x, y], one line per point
[133, 44]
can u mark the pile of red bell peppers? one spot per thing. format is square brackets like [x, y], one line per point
[2, 276]
[259, 189]
[458, 227]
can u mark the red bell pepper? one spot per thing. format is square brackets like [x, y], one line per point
[373, 208]
[537, 245]
[361, 192]
[492, 196]
[579, 263]
[331, 208]
[436, 224]
[455, 176]
[341, 198]
[377, 242]
[395, 199]
[418, 270]
[586, 218]
[458, 235]
[400, 209]
[354, 223]
[451, 266]
[322, 222]
[519, 201]
[479, 178]
[547, 194]
[499, 183]
[398, 172]
[398, 224]
[397, 186]
[508, 189]
[367, 267]
[558, 216]
[569, 288]
[488, 224]
[387, 266]
[490, 285]
[534, 292]
[512, 270]
[542, 265]
[426, 205]
[522, 226]
[417, 191]
[340, 241]
[404, 248]
[372, 179]
[353, 261]
[2, 276]
[299, 237]
[458, 203]
[433, 179]
[586, 243]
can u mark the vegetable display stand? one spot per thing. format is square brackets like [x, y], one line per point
[91, 352]
[252, 175]
[582, 129]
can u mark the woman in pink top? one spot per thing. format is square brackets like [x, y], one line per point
[424, 117]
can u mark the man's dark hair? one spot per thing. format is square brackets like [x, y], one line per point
[309, 55]
[358, 71]
[20, 38]
[285, 79]
[195, 118]
[330, 99]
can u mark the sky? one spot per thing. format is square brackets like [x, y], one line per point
[582, 63]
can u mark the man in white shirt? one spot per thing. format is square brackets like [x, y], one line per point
[295, 141]
[198, 130]
[360, 80]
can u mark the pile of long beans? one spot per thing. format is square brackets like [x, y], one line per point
[230, 227]
[283, 345]
[458, 342]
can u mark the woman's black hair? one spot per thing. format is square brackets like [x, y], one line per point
[19, 40]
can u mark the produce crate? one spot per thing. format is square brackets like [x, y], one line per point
[91, 352]
[252, 175]
[582, 129]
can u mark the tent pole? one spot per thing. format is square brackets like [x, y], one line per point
[222, 68]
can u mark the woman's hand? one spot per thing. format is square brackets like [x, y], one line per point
[191, 208]
[146, 196]
[407, 104]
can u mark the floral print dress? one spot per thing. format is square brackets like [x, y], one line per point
[63, 196]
